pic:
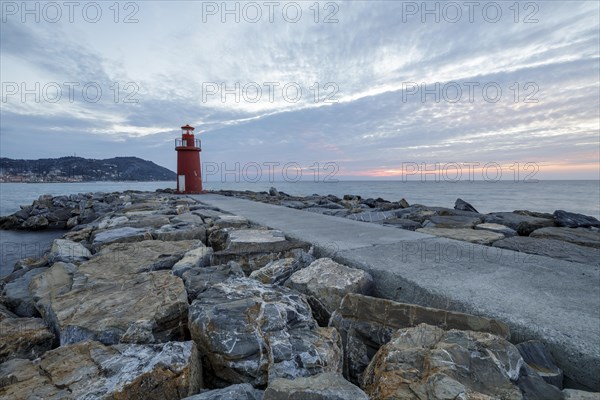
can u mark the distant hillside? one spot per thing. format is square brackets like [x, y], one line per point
[77, 169]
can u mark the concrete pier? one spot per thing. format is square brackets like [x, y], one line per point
[557, 302]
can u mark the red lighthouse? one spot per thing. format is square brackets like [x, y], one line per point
[189, 179]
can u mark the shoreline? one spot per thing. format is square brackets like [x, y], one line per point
[200, 256]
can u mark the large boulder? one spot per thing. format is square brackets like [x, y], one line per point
[199, 279]
[242, 391]
[119, 235]
[254, 248]
[327, 282]
[537, 356]
[194, 258]
[24, 338]
[466, 235]
[366, 323]
[523, 224]
[427, 362]
[462, 205]
[451, 222]
[551, 248]
[252, 333]
[90, 370]
[326, 386]
[574, 220]
[65, 250]
[117, 296]
[498, 228]
[16, 294]
[579, 236]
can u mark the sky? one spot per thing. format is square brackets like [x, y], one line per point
[355, 89]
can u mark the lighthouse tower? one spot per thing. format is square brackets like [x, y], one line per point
[188, 150]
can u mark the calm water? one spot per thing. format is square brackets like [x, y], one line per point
[544, 196]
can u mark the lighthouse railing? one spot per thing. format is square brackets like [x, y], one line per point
[190, 143]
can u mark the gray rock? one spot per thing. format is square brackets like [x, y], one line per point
[503, 229]
[273, 192]
[275, 272]
[187, 218]
[172, 233]
[231, 221]
[318, 387]
[293, 204]
[36, 222]
[428, 362]
[198, 257]
[402, 223]
[451, 221]
[242, 391]
[328, 282]
[533, 386]
[17, 297]
[119, 235]
[252, 333]
[572, 394]
[24, 338]
[551, 248]
[366, 323]
[403, 203]
[462, 205]
[72, 222]
[573, 220]
[254, 248]
[117, 296]
[523, 224]
[90, 370]
[199, 279]
[64, 250]
[539, 358]
[372, 216]
[466, 235]
[579, 236]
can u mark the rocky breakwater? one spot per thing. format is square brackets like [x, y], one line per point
[163, 297]
[562, 235]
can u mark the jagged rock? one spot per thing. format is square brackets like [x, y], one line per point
[276, 272]
[242, 391]
[6, 313]
[427, 362]
[198, 257]
[572, 394]
[119, 235]
[328, 282]
[147, 221]
[466, 235]
[198, 279]
[451, 221]
[248, 332]
[402, 223]
[170, 233]
[365, 323]
[326, 386]
[551, 248]
[17, 297]
[231, 221]
[539, 358]
[273, 192]
[65, 250]
[524, 224]
[36, 222]
[462, 205]
[573, 220]
[112, 221]
[579, 236]
[90, 370]
[81, 235]
[72, 222]
[187, 218]
[403, 203]
[372, 216]
[113, 297]
[503, 229]
[298, 205]
[24, 338]
[533, 386]
[255, 248]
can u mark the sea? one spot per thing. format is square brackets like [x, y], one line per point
[581, 196]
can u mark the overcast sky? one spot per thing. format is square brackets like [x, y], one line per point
[376, 88]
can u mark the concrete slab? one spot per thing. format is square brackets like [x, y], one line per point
[555, 301]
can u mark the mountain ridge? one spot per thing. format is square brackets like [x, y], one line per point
[79, 169]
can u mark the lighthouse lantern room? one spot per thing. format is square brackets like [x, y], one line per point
[189, 178]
